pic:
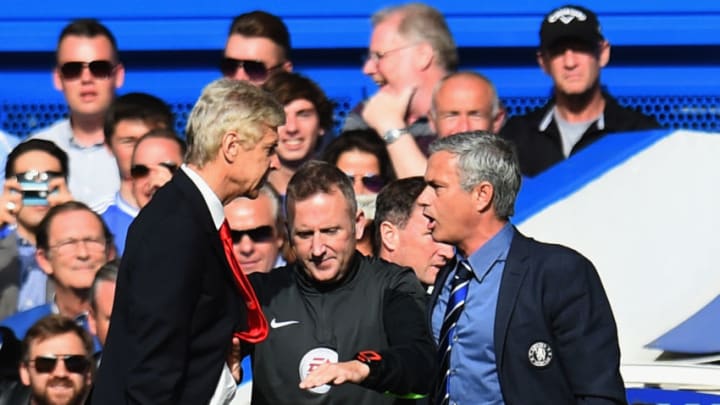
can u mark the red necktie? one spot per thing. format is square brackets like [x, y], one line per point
[257, 324]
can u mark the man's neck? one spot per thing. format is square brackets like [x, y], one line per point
[26, 233]
[126, 192]
[486, 229]
[580, 107]
[87, 130]
[70, 302]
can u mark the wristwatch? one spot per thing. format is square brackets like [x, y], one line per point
[392, 135]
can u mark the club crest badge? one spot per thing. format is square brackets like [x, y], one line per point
[540, 354]
[313, 359]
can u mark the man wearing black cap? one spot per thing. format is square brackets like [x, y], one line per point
[572, 52]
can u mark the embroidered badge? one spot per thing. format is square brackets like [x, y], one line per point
[540, 354]
[313, 359]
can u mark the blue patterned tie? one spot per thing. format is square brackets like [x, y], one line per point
[456, 303]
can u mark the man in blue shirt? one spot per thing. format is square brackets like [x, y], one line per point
[529, 322]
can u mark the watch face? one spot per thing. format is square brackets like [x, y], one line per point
[393, 134]
[312, 360]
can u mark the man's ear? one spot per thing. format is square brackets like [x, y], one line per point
[498, 120]
[424, 56]
[57, 80]
[389, 237]
[119, 75]
[43, 260]
[24, 374]
[482, 195]
[541, 61]
[230, 146]
[359, 224]
[604, 54]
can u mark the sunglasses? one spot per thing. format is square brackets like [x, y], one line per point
[372, 182]
[260, 234]
[255, 70]
[139, 171]
[74, 363]
[100, 69]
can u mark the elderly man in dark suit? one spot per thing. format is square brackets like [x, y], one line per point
[517, 321]
[180, 296]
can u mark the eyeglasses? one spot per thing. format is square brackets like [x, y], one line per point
[376, 56]
[74, 363]
[255, 70]
[100, 69]
[70, 245]
[263, 233]
[139, 171]
[373, 182]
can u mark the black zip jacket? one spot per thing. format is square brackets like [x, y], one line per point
[377, 306]
[537, 137]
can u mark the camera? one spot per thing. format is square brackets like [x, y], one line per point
[34, 185]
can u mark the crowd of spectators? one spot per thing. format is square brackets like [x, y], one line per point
[71, 192]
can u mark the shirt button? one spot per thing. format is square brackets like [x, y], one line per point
[455, 338]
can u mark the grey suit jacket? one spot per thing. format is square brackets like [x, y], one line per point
[10, 276]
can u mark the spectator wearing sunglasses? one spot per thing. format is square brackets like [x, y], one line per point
[411, 49]
[56, 363]
[41, 164]
[257, 47]
[308, 117]
[402, 235]
[258, 231]
[156, 157]
[362, 156]
[73, 243]
[129, 118]
[87, 72]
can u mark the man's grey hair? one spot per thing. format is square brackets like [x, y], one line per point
[484, 156]
[224, 106]
[422, 23]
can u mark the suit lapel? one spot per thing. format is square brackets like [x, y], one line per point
[513, 275]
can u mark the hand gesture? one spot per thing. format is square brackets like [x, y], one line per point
[10, 201]
[336, 373]
[387, 109]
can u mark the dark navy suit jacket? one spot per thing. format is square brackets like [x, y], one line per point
[176, 306]
[552, 295]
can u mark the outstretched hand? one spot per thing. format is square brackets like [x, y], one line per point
[336, 373]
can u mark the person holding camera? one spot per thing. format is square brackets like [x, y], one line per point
[36, 179]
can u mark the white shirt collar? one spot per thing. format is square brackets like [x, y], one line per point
[211, 199]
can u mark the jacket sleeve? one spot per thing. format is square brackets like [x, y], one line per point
[586, 336]
[407, 365]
